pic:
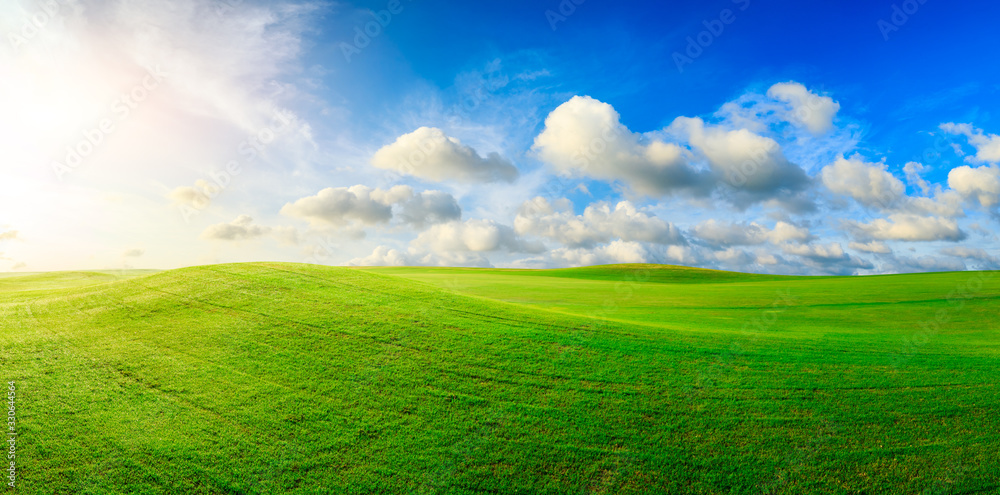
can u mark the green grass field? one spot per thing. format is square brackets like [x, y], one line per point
[287, 378]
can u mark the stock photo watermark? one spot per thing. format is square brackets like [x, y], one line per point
[224, 7]
[714, 28]
[929, 329]
[35, 23]
[565, 9]
[900, 15]
[11, 434]
[121, 109]
[206, 190]
[365, 33]
[751, 331]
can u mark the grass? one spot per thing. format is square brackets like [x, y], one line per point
[287, 378]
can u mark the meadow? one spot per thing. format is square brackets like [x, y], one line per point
[262, 378]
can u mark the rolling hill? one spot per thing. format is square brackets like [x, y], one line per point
[288, 378]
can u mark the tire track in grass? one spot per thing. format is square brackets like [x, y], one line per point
[518, 323]
[131, 378]
[316, 398]
[192, 406]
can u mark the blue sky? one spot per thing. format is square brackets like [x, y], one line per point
[521, 134]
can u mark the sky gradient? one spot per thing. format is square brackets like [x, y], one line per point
[781, 137]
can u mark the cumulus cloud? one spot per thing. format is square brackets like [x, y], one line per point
[746, 234]
[987, 145]
[913, 171]
[829, 258]
[241, 229]
[871, 185]
[133, 253]
[868, 183]
[359, 204]
[599, 224]
[904, 264]
[612, 253]
[415, 256]
[430, 154]
[429, 207]
[198, 196]
[384, 256]
[753, 165]
[585, 136]
[453, 243]
[944, 203]
[476, 235]
[981, 184]
[734, 258]
[806, 109]
[908, 227]
[982, 259]
[870, 247]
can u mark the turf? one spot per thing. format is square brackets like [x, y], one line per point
[287, 378]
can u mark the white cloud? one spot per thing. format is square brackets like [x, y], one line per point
[735, 258]
[913, 171]
[809, 110]
[905, 264]
[829, 258]
[908, 227]
[430, 154]
[476, 235]
[753, 165]
[198, 196]
[830, 251]
[868, 183]
[784, 232]
[981, 184]
[599, 224]
[612, 253]
[744, 234]
[383, 256]
[987, 260]
[987, 145]
[414, 256]
[945, 203]
[242, 228]
[585, 136]
[429, 207]
[870, 247]
[133, 253]
[359, 204]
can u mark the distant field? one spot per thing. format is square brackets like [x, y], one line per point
[287, 378]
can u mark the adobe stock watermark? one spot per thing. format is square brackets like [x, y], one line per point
[35, 23]
[930, 328]
[418, 157]
[697, 44]
[224, 7]
[804, 455]
[121, 110]
[11, 435]
[365, 33]
[900, 15]
[565, 9]
[709, 375]
[219, 180]
[457, 114]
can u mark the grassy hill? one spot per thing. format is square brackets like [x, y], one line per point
[286, 378]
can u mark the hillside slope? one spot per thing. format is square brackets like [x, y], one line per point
[285, 378]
